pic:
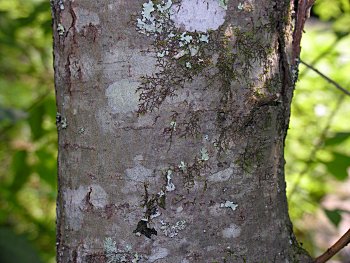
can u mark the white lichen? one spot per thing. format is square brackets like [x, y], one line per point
[180, 54]
[232, 231]
[173, 125]
[193, 50]
[74, 206]
[221, 176]
[223, 4]
[61, 122]
[229, 204]
[185, 39]
[61, 5]
[153, 17]
[148, 8]
[110, 250]
[136, 258]
[156, 213]
[170, 186]
[115, 255]
[81, 130]
[64, 123]
[122, 96]
[182, 166]
[158, 253]
[200, 15]
[204, 154]
[162, 53]
[164, 7]
[240, 6]
[204, 38]
[98, 196]
[188, 65]
[60, 29]
[172, 230]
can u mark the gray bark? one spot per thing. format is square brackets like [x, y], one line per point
[172, 118]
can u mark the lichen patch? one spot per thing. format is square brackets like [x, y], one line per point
[122, 96]
[200, 15]
[98, 196]
[74, 205]
[232, 231]
[221, 176]
[85, 18]
[158, 253]
[138, 173]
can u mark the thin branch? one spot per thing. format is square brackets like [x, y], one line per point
[342, 242]
[321, 55]
[316, 147]
[326, 78]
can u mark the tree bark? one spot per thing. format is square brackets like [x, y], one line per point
[172, 117]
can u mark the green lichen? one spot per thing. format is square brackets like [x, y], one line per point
[60, 29]
[61, 122]
[172, 230]
[180, 55]
[115, 255]
[223, 3]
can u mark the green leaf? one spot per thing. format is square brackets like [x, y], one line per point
[334, 216]
[338, 167]
[15, 248]
[21, 170]
[47, 167]
[337, 138]
[342, 24]
[35, 121]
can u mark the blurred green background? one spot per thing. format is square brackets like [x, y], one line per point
[317, 149]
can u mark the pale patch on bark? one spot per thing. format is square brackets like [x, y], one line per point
[216, 210]
[98, 196]
[158, 253]
[136, 176]
[200, 15]
[221, 176]
[127, 64]
[232, 231]
[122, 97]
[86, 18]
[74, 205]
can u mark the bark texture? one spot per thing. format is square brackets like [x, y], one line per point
[172, 117]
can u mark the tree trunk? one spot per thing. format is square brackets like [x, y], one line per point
[172, 117]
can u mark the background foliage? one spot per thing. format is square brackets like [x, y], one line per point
[317, 150]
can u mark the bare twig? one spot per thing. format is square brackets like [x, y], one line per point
[342, 242]
[316, 147]
[335, 84]
[321, 56]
